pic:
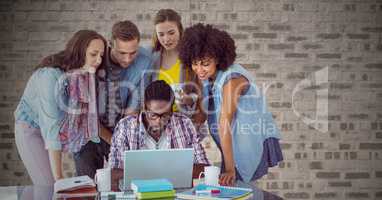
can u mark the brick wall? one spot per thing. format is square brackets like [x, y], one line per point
[320, 61]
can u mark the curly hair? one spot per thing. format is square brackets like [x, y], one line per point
[200, 41]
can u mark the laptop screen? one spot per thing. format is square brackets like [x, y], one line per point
[176, 165]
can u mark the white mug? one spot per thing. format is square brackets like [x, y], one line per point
[103, 179]
[211, 175]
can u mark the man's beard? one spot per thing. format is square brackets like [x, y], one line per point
[155, 130]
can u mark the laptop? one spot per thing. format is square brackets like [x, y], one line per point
[176, 165]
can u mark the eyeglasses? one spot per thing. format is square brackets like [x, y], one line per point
[154, 116]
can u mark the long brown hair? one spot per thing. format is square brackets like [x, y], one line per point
[164, 15]
[74, 54]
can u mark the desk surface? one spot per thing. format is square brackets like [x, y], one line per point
[46, 192]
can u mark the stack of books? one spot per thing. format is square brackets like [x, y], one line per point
[153, 189]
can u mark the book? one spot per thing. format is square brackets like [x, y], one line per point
[226, 193]
[155, 195]
[151, 185]
[80, 186]
[76, 194]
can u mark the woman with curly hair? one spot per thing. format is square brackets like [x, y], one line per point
[238, 119]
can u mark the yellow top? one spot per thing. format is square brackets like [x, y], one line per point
[171, 75]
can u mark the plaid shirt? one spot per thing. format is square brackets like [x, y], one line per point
[129, 135]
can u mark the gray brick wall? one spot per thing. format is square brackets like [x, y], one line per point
[331, 126]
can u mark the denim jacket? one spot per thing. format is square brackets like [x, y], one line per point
[251, 125]
[39, 105]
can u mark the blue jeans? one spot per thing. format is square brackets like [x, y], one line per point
[91, 157]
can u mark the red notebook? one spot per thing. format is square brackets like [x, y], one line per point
[81, 186]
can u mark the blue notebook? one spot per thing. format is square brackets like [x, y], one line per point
[151, 185]
[225, 193]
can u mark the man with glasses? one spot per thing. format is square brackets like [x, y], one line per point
[155, 127]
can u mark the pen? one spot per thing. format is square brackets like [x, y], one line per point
[215, 191]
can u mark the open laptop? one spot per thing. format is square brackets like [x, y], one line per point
[176, 165]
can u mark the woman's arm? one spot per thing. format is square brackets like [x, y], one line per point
[55, 158]
[50, 116]
[231, 94]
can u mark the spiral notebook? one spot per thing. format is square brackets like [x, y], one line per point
[225, 193]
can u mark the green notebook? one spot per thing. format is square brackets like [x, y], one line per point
[155, 195]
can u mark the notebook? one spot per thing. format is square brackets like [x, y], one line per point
[73, 184]
[226, 193]
[80, 186]
[151, 185]
[156, 195]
